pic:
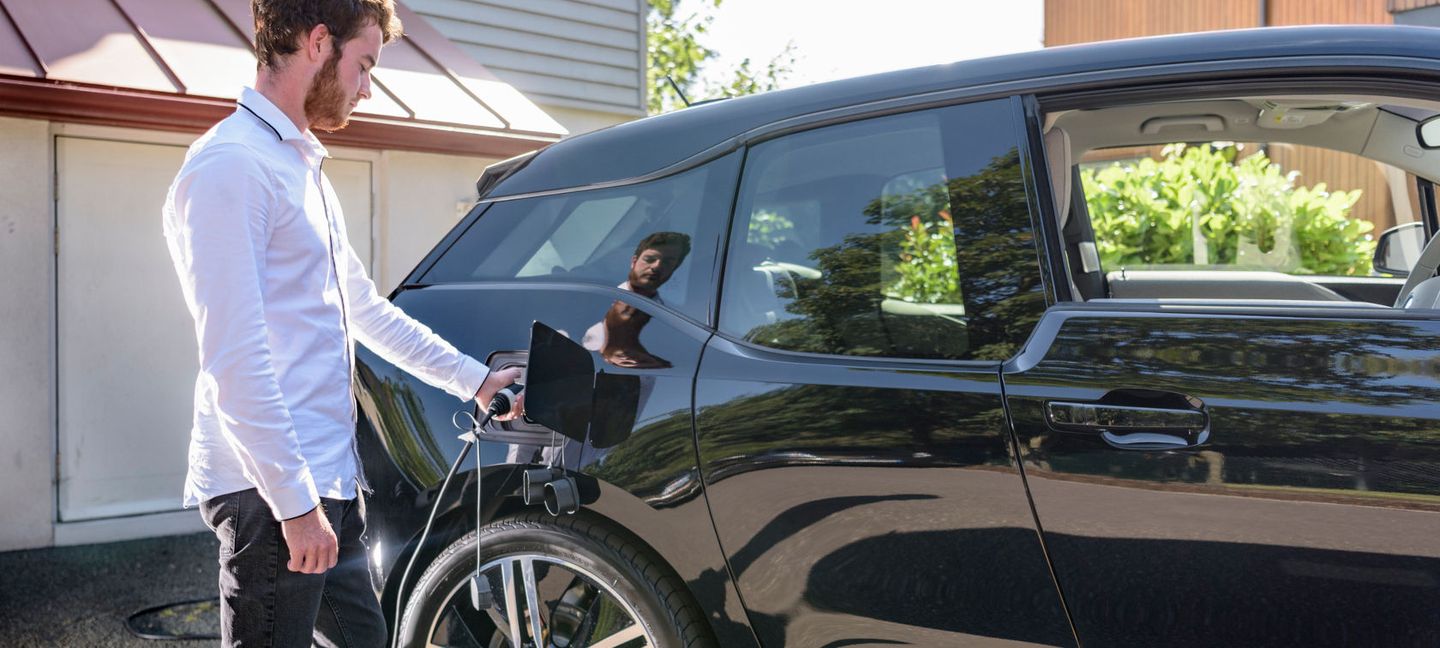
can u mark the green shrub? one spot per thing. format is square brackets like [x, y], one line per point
[1247, 214]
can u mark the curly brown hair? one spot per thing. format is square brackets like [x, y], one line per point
[280, 24]
[657, 240]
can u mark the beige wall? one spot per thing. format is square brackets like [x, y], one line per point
[27, 336]
[579, 121]
[422, 196]
[417, 199]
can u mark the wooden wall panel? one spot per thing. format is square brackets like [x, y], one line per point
[1341, 172]
[1407, 5]
[1329, 12]
[1084, 21]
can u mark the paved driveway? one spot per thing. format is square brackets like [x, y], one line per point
[81, 596]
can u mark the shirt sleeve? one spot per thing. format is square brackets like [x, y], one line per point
[405, 342]
[222, 201]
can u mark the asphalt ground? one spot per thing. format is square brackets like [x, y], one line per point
[82, 596]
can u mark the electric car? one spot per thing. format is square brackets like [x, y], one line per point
[1132, 343]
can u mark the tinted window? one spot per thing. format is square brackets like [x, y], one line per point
[597, 237]
[905, 236]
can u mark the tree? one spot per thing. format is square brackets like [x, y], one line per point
[673, 48]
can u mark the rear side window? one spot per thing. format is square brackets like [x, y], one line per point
[904, 236]
[611, 237]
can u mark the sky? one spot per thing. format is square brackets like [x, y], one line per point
[839, 39]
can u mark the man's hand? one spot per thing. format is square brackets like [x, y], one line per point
[313, 548]
[496, 381]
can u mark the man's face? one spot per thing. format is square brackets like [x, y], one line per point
[653, 266]
[343, 80]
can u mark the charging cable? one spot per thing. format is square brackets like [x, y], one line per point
[501, 404]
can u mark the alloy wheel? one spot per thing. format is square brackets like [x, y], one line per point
[540, 601]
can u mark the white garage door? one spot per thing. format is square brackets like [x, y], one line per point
[126, 344]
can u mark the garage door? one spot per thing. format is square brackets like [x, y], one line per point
[126, 345]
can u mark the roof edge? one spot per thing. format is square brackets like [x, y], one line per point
[109, 106]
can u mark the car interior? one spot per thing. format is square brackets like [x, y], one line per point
[1381, 130]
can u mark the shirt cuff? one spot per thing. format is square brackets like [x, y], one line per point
[468, 379]
[292, 501]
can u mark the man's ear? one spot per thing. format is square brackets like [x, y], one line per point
[316, 44]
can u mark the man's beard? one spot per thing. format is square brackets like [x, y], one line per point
[326, 105]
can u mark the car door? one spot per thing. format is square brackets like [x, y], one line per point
[1236, 472]
[849, 416]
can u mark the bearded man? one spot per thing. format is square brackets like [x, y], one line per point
[279, 299]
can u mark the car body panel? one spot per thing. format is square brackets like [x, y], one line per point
[639, 479]
[869, 499]
[1309, 515]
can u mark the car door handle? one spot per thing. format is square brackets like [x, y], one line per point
[1132, 428]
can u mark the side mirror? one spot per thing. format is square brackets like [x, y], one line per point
[1428, 133]
[1398, 249]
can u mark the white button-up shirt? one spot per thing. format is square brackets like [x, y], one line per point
[279, 298]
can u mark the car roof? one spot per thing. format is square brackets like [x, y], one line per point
[646, 146]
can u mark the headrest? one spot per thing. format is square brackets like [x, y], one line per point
[1057, 153]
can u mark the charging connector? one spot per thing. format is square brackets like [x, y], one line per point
[501, 404]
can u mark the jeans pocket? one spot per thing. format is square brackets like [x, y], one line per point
[210, 511]
[220, 513]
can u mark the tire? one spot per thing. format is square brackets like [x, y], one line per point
[594, 583]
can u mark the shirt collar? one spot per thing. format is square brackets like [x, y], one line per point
[278, 122]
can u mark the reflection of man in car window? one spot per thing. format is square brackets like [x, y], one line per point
[617, 336]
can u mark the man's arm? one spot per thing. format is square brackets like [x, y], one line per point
[412, 346]
[222, 205]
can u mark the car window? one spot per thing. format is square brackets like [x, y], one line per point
[902, 236]
[1242, 206]
[597, 236]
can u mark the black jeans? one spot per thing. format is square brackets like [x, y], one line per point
[263, 603]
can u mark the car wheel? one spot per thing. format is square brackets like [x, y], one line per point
[571, 581]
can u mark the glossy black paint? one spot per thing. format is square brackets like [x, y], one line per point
[1311, 514]
[870, 500]
[645, 478]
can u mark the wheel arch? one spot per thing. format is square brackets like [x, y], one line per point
[502, 497]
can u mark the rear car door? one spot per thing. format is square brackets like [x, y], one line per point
[849, 414]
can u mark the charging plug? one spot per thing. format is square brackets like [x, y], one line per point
[480, 595]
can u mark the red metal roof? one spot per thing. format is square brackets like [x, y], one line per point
[180, 64]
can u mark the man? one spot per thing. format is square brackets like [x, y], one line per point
[617, 336]
[279, 298]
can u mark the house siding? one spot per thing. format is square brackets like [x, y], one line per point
[586, 55]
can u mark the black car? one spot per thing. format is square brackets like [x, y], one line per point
[903, 360]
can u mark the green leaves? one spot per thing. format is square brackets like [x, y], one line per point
[1200, 206]
[673, 48]
[927, 272]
